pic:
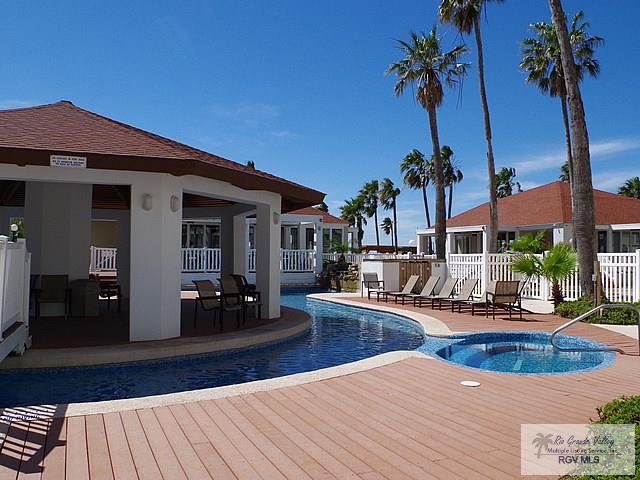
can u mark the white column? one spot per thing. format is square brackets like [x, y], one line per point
[240, 244]
[268, 258]
[58, 227]
[319, 246]
[226, 244]
[155, 258]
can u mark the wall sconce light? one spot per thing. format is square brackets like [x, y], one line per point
[14, 232]
[147, 201]
[175, 203]
[276, 218]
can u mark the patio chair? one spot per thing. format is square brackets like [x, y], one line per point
[245, 287]
[427, 289]
[233, 300]
[53, 289]
[475, 303]
[506, 296]
[445, 292]
[108, 288]
[370, 282]
[465, 293]
[208, 299]
[408, 288]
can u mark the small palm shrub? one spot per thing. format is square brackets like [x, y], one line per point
[557, 265]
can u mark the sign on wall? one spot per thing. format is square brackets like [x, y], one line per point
[67, 161]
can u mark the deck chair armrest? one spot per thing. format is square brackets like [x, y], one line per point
[208, 297]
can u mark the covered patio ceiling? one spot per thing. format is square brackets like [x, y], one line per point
[114, 197]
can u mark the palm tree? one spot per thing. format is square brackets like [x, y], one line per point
[631, 188]
[388, 200]
[370, 194]
[557, 265]
[543, 64]
[251, 165]
[415, 170]
[465, 16]
[565, 172]
[426, 67]
[387, 227]
[542, 441]
[452, 173]
[353, 211]
[581, 185]
[505, 183]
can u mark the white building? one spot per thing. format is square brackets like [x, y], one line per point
[67, 172]
[546, 208]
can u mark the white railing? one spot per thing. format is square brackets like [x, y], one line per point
[103, 259]
[297, 260]
[359, 257]
[251, 260]
[200, 260]
[15, 267]
[620, 273]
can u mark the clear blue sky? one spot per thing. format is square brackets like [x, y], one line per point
[298, 86]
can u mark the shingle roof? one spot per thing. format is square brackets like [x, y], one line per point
[326, 217]
[65, 128]
[549, 204]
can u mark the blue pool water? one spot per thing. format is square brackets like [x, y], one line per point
[517, 352]
[338, 335]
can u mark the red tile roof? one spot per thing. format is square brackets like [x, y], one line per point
[326, 217]
[65, 128]
[549, 204]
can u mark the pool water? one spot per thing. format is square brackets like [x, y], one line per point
[338, 335]
[518, 352]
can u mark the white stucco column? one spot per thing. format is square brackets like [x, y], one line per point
[319, 246]
[58, 227]
[240, 244]
[268, 258]
[155, 258]
[226, 244]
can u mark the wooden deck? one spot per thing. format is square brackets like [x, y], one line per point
[408, 420]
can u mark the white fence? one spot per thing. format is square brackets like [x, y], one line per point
[200, 260]
[359, 257]
[297, 260]
[620, 273]
[15, 268]
[103, 260]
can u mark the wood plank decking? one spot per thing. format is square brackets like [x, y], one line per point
[407, 420]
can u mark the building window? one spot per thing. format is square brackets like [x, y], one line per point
[336, 237]
[294, 238]
[326, 240]
[195, 235]
[252, 237]
[309, 243]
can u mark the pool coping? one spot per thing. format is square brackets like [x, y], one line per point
[213, 393]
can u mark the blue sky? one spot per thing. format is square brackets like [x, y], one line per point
[299, 87]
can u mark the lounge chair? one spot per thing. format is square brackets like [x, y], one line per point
[480, 302]
[465, 294]
[208, 299]
[232, 300]
[370, 282]
[408, 288]
[445, 292]
[53, 289]
[506, 296]
[427, 289]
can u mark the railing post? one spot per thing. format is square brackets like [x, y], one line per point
[485, 274]
[636, 286]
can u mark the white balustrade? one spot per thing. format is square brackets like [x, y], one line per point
[297, 260]
[200, 260]
[103, 259]
[15, 266]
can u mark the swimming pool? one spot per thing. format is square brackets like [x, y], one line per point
[518, 353]
[338, 335]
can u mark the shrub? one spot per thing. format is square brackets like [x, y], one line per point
[624, 410]
[612, 317]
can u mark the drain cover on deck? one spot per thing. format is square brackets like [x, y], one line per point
[469, 383]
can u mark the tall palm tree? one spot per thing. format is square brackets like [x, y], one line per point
[452, 173]
[387, 227]
[631, 188]
[353, 211]
[505, 183]
[465, 16]
[543, 64]
[415, 170]
[323, 207]
[426, 67]
[370, 194]
[388, 199]
[582, 185]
